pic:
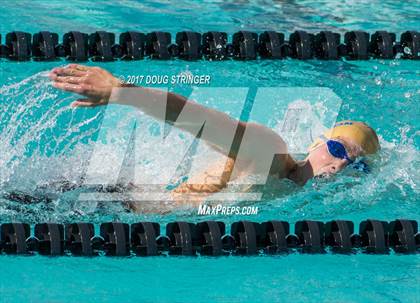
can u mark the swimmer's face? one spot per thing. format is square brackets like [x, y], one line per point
[324, 164]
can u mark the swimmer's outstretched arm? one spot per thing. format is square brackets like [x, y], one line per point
[100, 87]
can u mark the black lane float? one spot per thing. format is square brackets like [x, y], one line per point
[210, 238]
[188, 45]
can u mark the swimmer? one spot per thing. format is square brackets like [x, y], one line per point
[339, 147]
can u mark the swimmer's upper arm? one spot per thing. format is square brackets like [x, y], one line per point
[230, 136]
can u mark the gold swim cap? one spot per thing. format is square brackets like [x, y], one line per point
[358, 132]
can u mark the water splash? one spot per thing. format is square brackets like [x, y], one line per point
[40, 140]
[43, 140]
[46, 147]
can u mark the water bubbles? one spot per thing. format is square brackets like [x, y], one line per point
[395, 62]
[408, 95]
[378, 81]
[407, 50]
[187, 74]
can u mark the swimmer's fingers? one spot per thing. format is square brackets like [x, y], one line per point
[54, 73]
[69, 79]
[74, 69]
[81, 89]
[69, 70]
[85, 103]
[57, 73]
[78, 67]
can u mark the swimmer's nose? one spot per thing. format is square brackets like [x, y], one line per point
[338, 166]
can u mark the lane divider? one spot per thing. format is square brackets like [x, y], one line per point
[245, 45]
[210, 238]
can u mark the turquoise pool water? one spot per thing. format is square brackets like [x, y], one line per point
[42, 139]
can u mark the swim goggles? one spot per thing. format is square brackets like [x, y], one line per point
[338, 150]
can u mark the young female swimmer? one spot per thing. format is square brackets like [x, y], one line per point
[336, 149]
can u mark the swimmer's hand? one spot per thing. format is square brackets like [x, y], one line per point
[94, 83]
